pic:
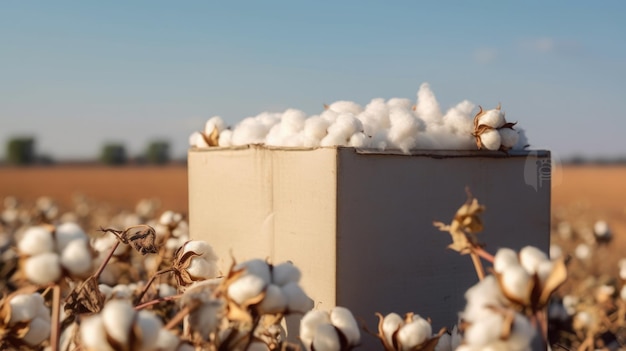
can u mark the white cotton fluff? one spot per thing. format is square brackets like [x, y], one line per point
[225, 138]
[205, 319]
[36, 240]
[76, 257]
[504, 258]
[284, 273]
[202, 248]
[118, 317]
[484, 331]
[249, 131]
[377, 107]
[329, 116]
[326, 338]
[414, 333]
[257, 267]
[402, 103]
[427, 107]
[404, 129]
[459, 119]
[297, 299]
[246, 288]
[516, 281]
[485, 293]
[274, 301]
[381, 140]
[38, 331]
[292, 122]
[315, 128]
[343, 319]
[105, 290]
[167, 218]
[200, 268]
[509, 137]
[334, 139]
[522, 141]
[555, 252]
[166, 290]
[601, 230]
[582, 252]
[167, 341]
[391, 323]
[43, 269]
[68, 232]
[491, 139]
[196, 139]
[345, 107]
[493, 118]
[93, 334]
[309, 323]
[531, 257]
[345, 126]
[23, 308]
[149, 326]
[359, 140]
[215, 122]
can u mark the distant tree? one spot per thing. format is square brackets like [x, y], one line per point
[113, 154]
[158, 152]
[21, 151]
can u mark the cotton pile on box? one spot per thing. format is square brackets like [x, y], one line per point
[394, 124]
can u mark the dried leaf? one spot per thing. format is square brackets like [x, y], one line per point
[141, 237]
[213, 138]
[465, 224]
[85, 298]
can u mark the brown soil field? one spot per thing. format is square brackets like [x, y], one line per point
[599, 191]
[118, 187]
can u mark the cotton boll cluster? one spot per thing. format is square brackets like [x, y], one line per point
[334, 330]
[409, 333]
[25, 316]
[119, 326]
[195, 261]
[395, 124]
[272, 289]
[48, 251]
[493, 132]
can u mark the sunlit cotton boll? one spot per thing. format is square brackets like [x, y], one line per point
[68, 232]
[582, 252]
[76, 257]
[215, 122]
[249, 131]
[491, 139]
[531, 257]
[284, 273]
[309, 324]
[391, 323]
[414, 333]
[504, 258]
[225, 138]
[485, 293]
[196, 139]
[493, 118]
[36, 240]
[246, 288]
[118, 317]
[93, 334]
[516, 281]
[343, 319]
[43, 269]
[274, 301]
[315, 129]
[509, 137]
[39, 330]
[24, 307]
[149, 327]
[297, 299]
[203, 266]
[358, 139]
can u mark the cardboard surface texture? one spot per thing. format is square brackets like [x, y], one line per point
[358, 223]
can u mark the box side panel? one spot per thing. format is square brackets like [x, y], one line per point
[392, 259]
[230, 203]
[304, 203]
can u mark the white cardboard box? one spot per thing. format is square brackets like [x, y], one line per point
[359, 223]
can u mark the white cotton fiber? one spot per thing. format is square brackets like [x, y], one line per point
[346, 107]
[427, 107]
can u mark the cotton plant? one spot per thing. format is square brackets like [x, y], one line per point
[411, 332]
[332, 330]
[394, 124]
[25, 320]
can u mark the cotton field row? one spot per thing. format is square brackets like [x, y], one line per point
[396, 123]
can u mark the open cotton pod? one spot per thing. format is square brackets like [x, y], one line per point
[24, 319]
[337, 330]
[493, 132]
[409, 333]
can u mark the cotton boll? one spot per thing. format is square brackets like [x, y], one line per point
[205, 319]
[491, 140]
[601, 231]
[485, 331]
[309, 323]
[381, 140]
[257, 267]
[199, 268]
[196, 139]
[36, 240]
[414, 333]
[292, 122]
[167, 341]
[22, 308]
[38, 331]
[569, 303]
[68, 232]
[504, 258]
[76, 257]
[509, 137]
[93, 334]
[493, 118]
[225, 138]
[167, 218]
[391, 323]
[215, 122]
[345, 125]
[249, 131]
[105, 290]
[358, 140]
[297, 299]
[329, 116]
[200, 247]
[166, 290]
[427, 107]
[315, 128]
[284, 273]
[343, 319]
[485, 293]
[345, 107]
[334, 139]
[118, 317]
[378, 107]
[530, 257]
[43, 269]
[246, 288]
[555, 252]
[459, 119]
[326, 338]
[516, 281]
[149, 327]
[274, 301]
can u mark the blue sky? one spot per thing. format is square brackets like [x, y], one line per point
[76, 74]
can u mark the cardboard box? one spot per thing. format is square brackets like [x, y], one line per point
[358, 223]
